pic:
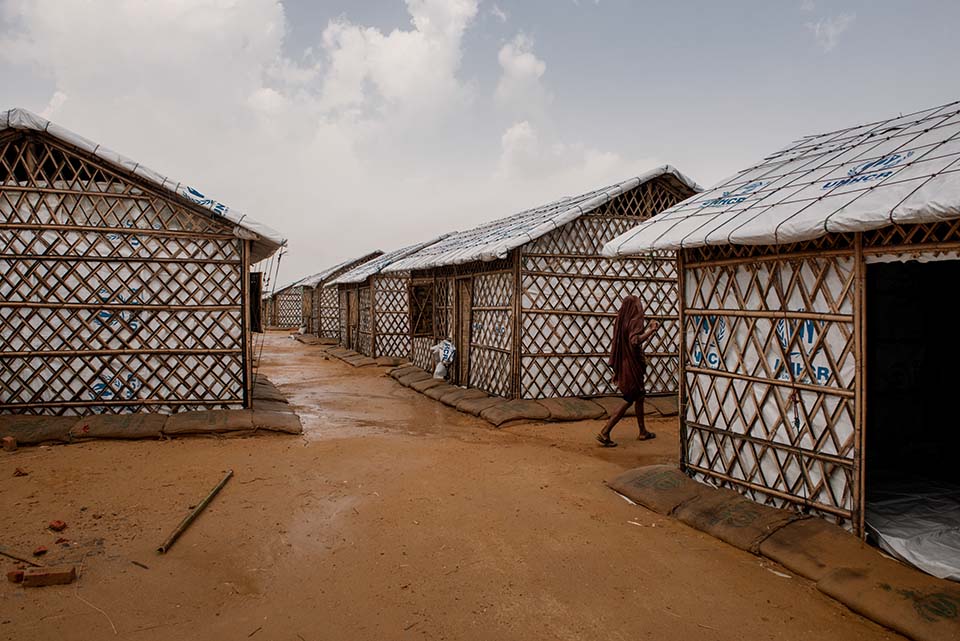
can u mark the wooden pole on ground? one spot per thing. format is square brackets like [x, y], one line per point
[193, 515]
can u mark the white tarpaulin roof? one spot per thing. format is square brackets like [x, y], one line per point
[364, 271]
[320, 278]
[495, 239]
[265, 240]
[902, 170]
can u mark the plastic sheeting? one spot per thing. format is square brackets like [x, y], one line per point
[368, 269]
[321, 278]
[919, 523]
[901, 170]
[265, 240]
[494, 240]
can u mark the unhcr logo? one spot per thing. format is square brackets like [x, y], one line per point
[203, 201]
[707, 326]
[802, 333]
[733, 197]
[870, 171]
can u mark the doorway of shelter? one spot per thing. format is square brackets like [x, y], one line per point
[913, 401]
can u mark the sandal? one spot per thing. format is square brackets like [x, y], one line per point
[605, 441]
[647, 436]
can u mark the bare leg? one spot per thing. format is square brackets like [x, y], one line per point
[644, 435]
[605, 432]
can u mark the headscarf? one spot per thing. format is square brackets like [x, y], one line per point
[625, 359]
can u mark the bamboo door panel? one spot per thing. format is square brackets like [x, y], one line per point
[462, 329]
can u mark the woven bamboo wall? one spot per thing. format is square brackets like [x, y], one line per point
[443, 319]
[343, 316]
[774, 398]
[420, 352]
[364, 322]
[289, 307]
[306, 312]
[770, 388]
[113, 295]
[328, 312]
[391, 316]
[571, 294]
[491, 333]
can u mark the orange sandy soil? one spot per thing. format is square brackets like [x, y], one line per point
[393, 517]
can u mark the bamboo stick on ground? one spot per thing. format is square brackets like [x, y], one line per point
[11, 555]
[193, 514]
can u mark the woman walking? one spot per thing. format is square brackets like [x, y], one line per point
[629, 367]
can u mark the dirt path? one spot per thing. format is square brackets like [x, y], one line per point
[394, 517]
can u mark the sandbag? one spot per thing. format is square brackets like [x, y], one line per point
[208, 421]
[30, 429]
[733, 518]
[515, 410]
[123, 426]
[661, 488]
[277, 421]
[572, 409]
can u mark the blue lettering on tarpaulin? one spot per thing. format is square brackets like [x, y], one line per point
[107, 317]
[197, 197]
[871, 171]
[115, 388]
[705, 326]
[734, 197]
[802, 333]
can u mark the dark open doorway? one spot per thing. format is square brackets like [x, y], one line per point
[912, 428]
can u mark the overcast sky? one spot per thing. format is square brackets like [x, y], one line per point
[353, 125]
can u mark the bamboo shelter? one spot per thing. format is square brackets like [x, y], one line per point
[815, 364]
[284, 307]
[120, 289]
[373, 310]
[529, 302]
[320, 310]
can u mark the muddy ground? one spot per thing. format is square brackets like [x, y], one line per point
[393, 517]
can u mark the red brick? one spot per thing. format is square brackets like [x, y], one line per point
[40, 577]
[40, 551]
[15, 576]
[9, 444]
[57, 526]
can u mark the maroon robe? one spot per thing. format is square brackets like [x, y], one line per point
[626, 359]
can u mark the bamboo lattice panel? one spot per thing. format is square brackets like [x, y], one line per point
[443, 323]
[364, 340]
[113, 297]
[343, 317]
[491, 333]
[570, 297]
[421, 356]
[770, 387]
[392, 316]
[328, 312]
[918, 235]
[306, 312]
[289, 307]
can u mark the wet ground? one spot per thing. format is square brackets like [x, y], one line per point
[393, 517]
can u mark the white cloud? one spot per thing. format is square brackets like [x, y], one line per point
[520, 89]
[366, 132]
[827, 32]
[807, 5]
[498, 13]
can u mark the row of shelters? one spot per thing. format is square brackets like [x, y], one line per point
[120, 288]
[527, 300]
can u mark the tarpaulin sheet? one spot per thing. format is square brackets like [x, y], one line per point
[902, 170]
[919, 523]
